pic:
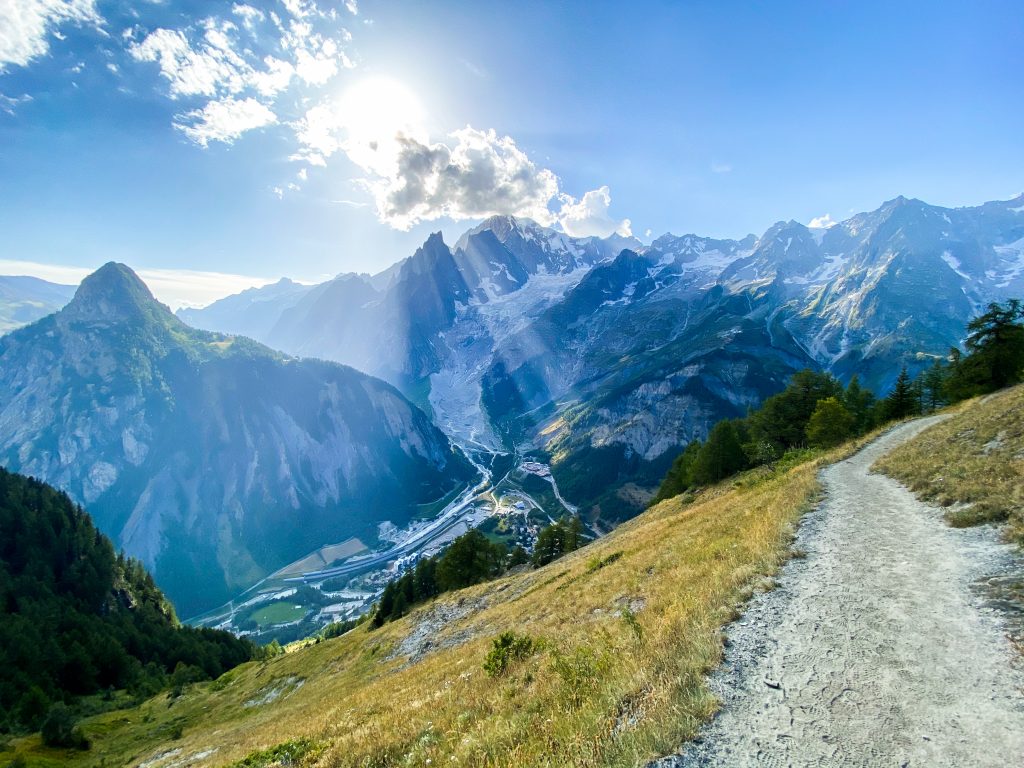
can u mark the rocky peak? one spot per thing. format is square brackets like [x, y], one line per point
[114, 294]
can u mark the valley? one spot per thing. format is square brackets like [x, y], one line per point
[503, 506]
[389, 384]
[600, 358]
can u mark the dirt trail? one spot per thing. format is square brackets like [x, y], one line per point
[877, 648]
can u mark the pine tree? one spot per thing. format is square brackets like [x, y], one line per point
[722, 455]
[782, 419]
[901, 402]
[386, 605]
[995, 352]
[680, 475]
[860, 403]
[934, 385]
[401, 606]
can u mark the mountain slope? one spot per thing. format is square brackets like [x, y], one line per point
[24, 300]
[75, 618]
[648, 351]
[211, 458]
[612, 356]
[619, 675]
[252, 313]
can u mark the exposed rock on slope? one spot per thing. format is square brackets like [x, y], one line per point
[211, 458]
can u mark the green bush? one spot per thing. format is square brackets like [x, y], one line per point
[580, 671]
[507, 649]
[286, 753]
[59, 729]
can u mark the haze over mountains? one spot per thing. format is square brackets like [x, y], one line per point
[217, 460]
[25, 299]
[211, 458]
[611, 355]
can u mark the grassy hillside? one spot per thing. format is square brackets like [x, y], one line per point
[623, 633]
[972, 463]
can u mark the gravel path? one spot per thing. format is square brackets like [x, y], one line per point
[877, 648]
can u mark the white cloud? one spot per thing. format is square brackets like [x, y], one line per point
[189, 72]
[352, 7]
[822, 222]
[589, 216]
[24, 25]
[250, 16]
[175, 287]
[221, 61]
[275, 78]
[481, 174]
[224, 120]
[721, 168]
[9, 104]
[473, 174]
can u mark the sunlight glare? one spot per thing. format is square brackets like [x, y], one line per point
[375, 112]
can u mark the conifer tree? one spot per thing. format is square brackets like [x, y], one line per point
[860, 403]
[722, 455]
[901, 402]
[995, 352]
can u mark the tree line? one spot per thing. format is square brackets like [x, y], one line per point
[816, 411]
[76, 618]
[471, 559]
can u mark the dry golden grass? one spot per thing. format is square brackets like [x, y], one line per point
[610, 686]
[972, 463]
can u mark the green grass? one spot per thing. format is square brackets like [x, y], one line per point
[972, 463]
[278, 613]
[629, 624]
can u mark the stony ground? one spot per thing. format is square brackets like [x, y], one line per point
[880, 646]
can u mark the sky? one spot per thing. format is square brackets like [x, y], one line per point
[213, 146]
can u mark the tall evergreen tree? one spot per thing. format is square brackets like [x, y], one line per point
[995, 351]
[860, 403]
[782, 419]
[722, 455]
[933, 382]
[680, 474]
[901, 401]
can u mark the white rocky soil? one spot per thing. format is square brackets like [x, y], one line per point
[878, 648]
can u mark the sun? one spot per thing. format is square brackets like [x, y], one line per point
[375, 112]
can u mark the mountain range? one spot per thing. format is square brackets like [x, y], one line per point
[211, 458]
[217, 460]
[609, 355]
[26, 299]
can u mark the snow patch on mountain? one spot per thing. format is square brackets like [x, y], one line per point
[954, 263]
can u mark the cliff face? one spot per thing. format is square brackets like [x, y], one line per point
[211, 458]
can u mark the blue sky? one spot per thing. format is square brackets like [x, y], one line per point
[307, 139]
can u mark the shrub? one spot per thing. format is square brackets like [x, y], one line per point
[830, 424]
[59, 729]
[33, 708]
[285, 753]
[631, 621]
[507, 649]
[580, 671]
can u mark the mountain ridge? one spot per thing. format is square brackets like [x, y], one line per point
[527, 356]
[197, 451]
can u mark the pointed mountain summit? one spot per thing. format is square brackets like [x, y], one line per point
[114, 293]
[211, 458]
